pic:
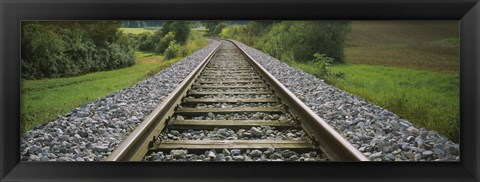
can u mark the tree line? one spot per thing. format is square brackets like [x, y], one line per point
[52, 49]
[142, 23]
[289, 40]
[174, 39]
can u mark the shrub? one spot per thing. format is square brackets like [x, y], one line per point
[59, 49]
[160, 40]
[174, 39]
[173, 50]
[181, 30]
[145, 41]
[42, 50]
[233, 32]
[195, 41]
[165, 42]
[339, 74]
[321, 64]
[293, 40]
[299, 40]
[214, 27]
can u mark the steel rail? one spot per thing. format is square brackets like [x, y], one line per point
[330, 141]
[135, 146]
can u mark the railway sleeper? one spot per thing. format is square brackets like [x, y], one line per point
[202, 145]
[229, 86]
[216, 81]
[236, 124]
[195, 93]
[230, 100]
[194, 111]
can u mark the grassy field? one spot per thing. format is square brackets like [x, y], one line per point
[408, 67]
[200, 29]
[43, 100]
[137, 30]
[428, 99]
[422, 45]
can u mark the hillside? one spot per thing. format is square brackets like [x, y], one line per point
[423, 45]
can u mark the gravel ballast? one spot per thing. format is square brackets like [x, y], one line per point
[254, 133]
[380, 134]
[270, 154]
[284, 117]
[92, 131]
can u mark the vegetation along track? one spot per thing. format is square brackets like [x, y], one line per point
[231, 109]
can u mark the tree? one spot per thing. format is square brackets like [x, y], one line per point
[300, 40]
[214, 27]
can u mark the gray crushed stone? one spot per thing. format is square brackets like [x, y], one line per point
[270, 154]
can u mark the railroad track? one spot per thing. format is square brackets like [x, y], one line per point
[230, 105]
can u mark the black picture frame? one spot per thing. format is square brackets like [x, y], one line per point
[13, 11]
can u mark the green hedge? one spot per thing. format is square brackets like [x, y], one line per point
[62, 49]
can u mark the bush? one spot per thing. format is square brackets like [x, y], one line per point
[60, 49]
[248, 34]
[299, 40]
[181, 29]
[339, 74]
[293, 40]
[42, 50]
[321, 64]
[145, 42]
[160, 40]
[174, 39]
[195, 41]
[214, 27]
[232, 32]
[165, 42]
[173, 50]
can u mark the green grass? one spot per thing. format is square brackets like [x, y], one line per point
[43, 100]
[421, 45]
[427, 99]
[137, 30]
[201, 29]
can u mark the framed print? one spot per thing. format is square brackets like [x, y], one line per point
[239, 90]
